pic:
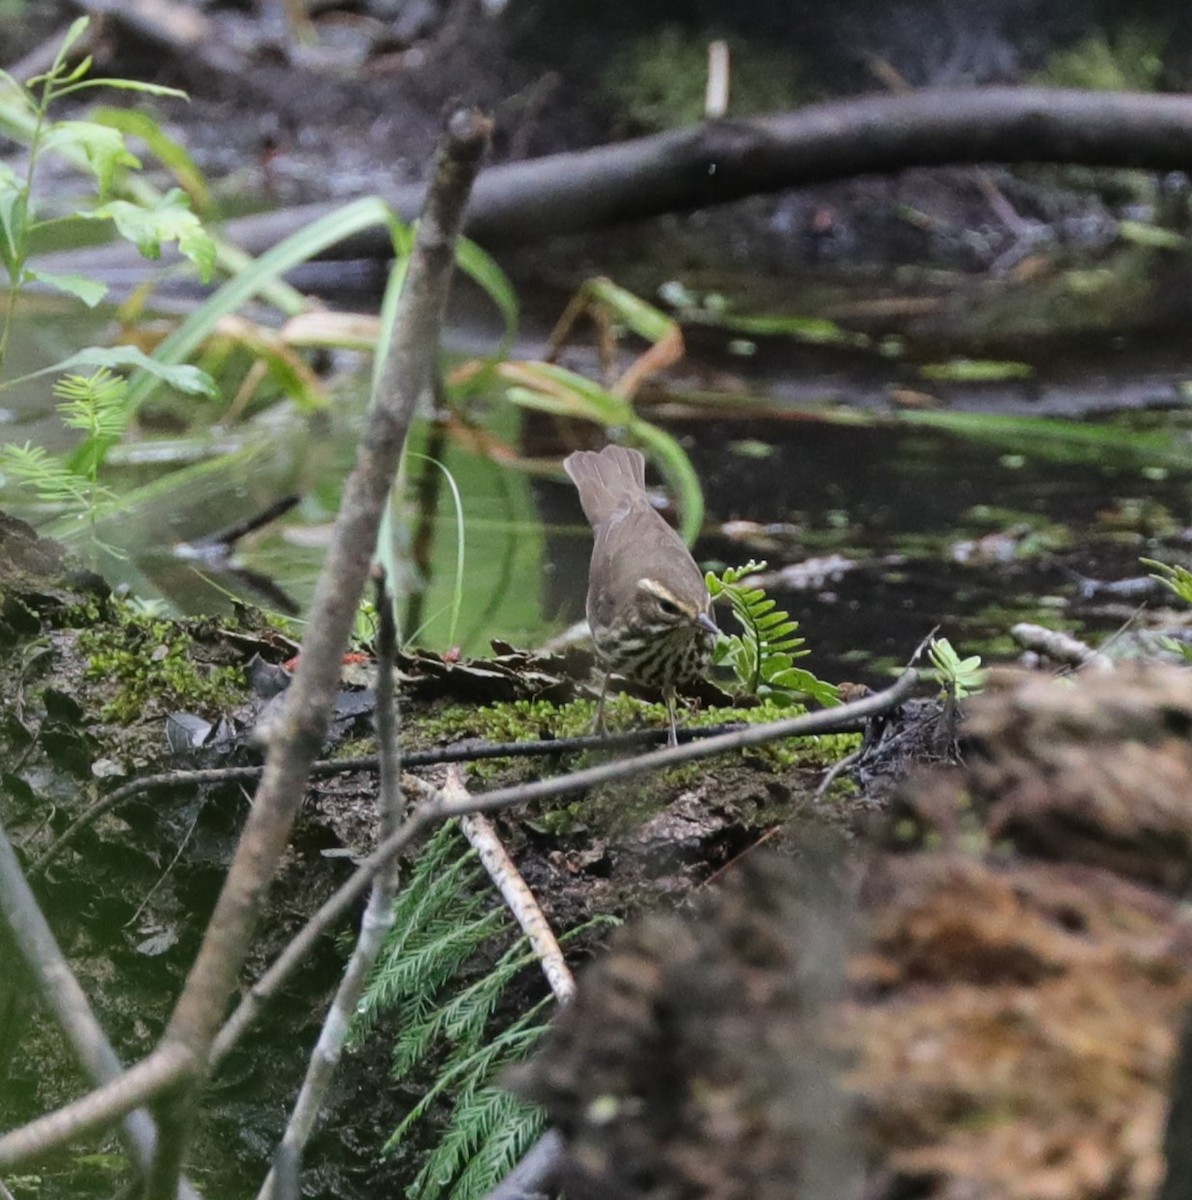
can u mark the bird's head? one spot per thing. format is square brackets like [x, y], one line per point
[664, 608]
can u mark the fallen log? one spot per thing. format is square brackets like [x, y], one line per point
[720, 161]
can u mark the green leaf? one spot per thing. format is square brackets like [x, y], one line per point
[259, 275]
[77, 28]
[970, 370]
[170, 219]
[643, 318]
[124, 85]
[13, 217]
[184, 378]
[1173, 576]
[777, 626]
[90, 291]
[17, 108]
[172, 154]
[103, 149]
[1142, 233]
[482, 268]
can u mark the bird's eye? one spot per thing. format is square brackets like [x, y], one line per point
[668, 608]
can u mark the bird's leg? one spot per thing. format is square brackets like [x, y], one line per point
[598, 723]
[668, 695]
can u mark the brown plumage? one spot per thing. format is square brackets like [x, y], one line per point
[648, 605]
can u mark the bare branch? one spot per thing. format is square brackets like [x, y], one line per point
[440, 808]
[64, 997]
[721, 161]
[168, 1067]
[468, 752]
[300, 731]
[282, 1181]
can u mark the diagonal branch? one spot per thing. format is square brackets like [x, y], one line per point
[167, 1068]
[65, 998]
[440, 808]
[407, 374]
[519, 899]
[282, 1182]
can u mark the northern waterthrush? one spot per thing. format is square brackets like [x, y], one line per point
[648, 605]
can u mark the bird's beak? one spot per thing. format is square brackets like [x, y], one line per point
[705, 622]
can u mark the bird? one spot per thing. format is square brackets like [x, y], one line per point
[648, 606]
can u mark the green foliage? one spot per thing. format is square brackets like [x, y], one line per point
[393, 567]
[763, 657]
[1132, 62]
[659, 81]
[445, 927]
[101, 150]
[975, 370]
[956, 676]
[96, 405]
[1173, 577]
[548, 387]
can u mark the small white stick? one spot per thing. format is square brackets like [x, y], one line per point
[716, 92]
[514, 891]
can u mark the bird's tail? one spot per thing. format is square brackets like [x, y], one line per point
[605, 478]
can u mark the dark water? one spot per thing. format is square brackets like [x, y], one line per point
[968, 521]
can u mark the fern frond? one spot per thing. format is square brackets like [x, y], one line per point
[480, 1149]
[507, 1046]
[47, 476]
[520, 1126]
[463, 1018]
[437, 895]
[763, 654]
[97, 404]
[442, 916]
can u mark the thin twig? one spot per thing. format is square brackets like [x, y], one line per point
[507, 879]
[467, 752]
[282, 1182]
[170, 1066]
[172, 1063]
[834, 772]
[438, 809]
[409, 365]
[64, 997]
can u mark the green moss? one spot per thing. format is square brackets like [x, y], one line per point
[624, 804]
[525, 720]
[149, 665]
